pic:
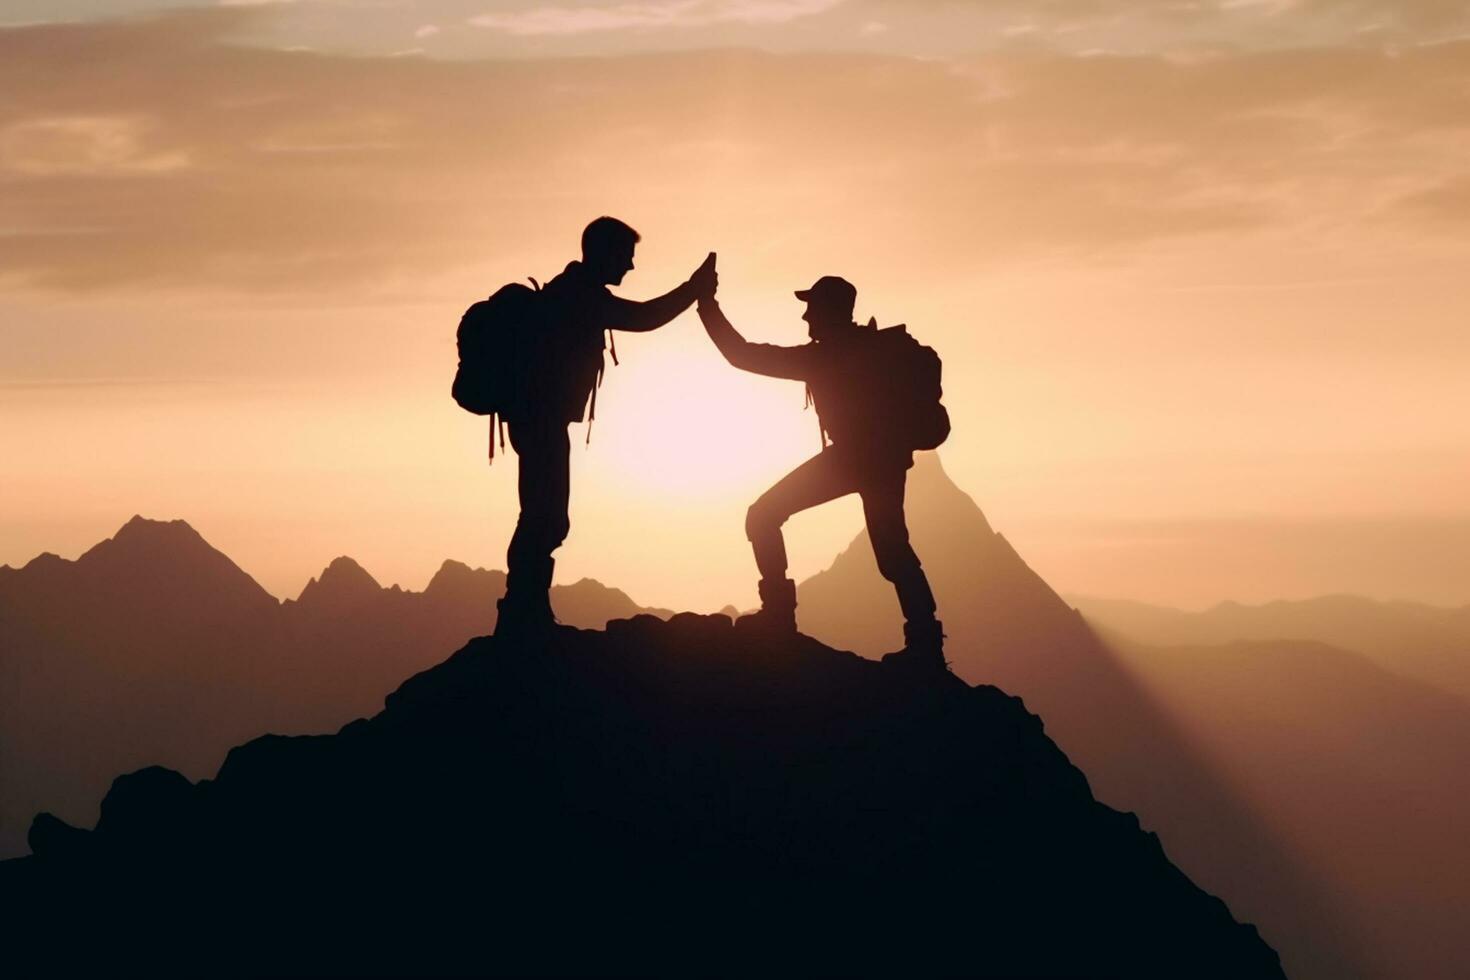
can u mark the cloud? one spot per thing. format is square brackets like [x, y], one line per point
[649, 15]
[85, 146]
[1446, 204]
[154, 153]
[1161, 25]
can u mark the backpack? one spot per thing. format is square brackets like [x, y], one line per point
[900, 382]
[494, 340]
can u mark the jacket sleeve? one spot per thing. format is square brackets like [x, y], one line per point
[793, 363]
[626, 314]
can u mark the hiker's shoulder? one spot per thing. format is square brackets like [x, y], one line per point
[575, 276]
[575, 287]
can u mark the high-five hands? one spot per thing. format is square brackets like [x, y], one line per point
[705, 279]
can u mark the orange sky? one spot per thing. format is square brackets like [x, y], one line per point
[1199, 283]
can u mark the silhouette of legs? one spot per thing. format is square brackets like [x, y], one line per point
[827, 476]
[544, 485]
[818, 480]
[889, 534]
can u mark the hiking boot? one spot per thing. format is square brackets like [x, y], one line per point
[777, 613]
[923, 647]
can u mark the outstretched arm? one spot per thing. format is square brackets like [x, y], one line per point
[767, 359]
[626, 314]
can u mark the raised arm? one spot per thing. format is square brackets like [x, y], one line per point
[626, 314]
[631, 315]
[767, 359]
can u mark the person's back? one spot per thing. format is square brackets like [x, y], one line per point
[569, 349]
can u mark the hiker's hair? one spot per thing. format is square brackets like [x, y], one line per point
[604, 233]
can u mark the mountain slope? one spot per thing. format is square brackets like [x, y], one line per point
[660, 797]
[1008, 627]
[153, 647]
[1366, 774]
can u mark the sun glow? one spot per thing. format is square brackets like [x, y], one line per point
[682, 423]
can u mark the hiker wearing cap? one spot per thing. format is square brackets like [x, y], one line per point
[876, 394]
[559, 367]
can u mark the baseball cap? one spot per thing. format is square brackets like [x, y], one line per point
[833, 292]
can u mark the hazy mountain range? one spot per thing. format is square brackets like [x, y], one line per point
[1426, 643]
[155, 648]
[1313, 787]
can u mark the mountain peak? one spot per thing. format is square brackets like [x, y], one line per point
[755, 797]
[934, 498]
[343, 581]
[146, 541]
[140, 528]
[166, 562]
[45, 560]
[456, 581]
[594, 602]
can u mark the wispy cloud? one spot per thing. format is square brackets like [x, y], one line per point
[86, 146]
[153, 153]
[650, 15]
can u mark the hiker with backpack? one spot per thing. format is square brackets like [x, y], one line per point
[533, 358]
[876, 394]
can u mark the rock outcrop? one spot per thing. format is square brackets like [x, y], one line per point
[684, 796]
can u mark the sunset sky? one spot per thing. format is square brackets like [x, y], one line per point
[1199, 273]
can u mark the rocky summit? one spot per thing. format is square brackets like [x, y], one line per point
[685, 796]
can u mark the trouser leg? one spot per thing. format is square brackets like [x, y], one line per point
[889, 533]
[544, 487]
[814, 482]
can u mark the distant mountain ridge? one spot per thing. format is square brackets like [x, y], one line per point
[659, 798]
[154, 647]
[1423, 642]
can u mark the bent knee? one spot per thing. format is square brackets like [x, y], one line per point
[899, 565]
[762, 519]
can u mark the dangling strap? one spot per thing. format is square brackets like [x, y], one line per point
[810, 402]
[496, 422]
[601, 368]
[592, 409]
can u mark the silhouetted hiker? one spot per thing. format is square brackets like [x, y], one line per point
[558, 366]
[876, 393]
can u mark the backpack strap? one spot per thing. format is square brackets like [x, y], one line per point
[810, 402]
[496, 421]
[601, 369]
[592, 409]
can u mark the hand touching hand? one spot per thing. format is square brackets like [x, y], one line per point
[705, 279]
